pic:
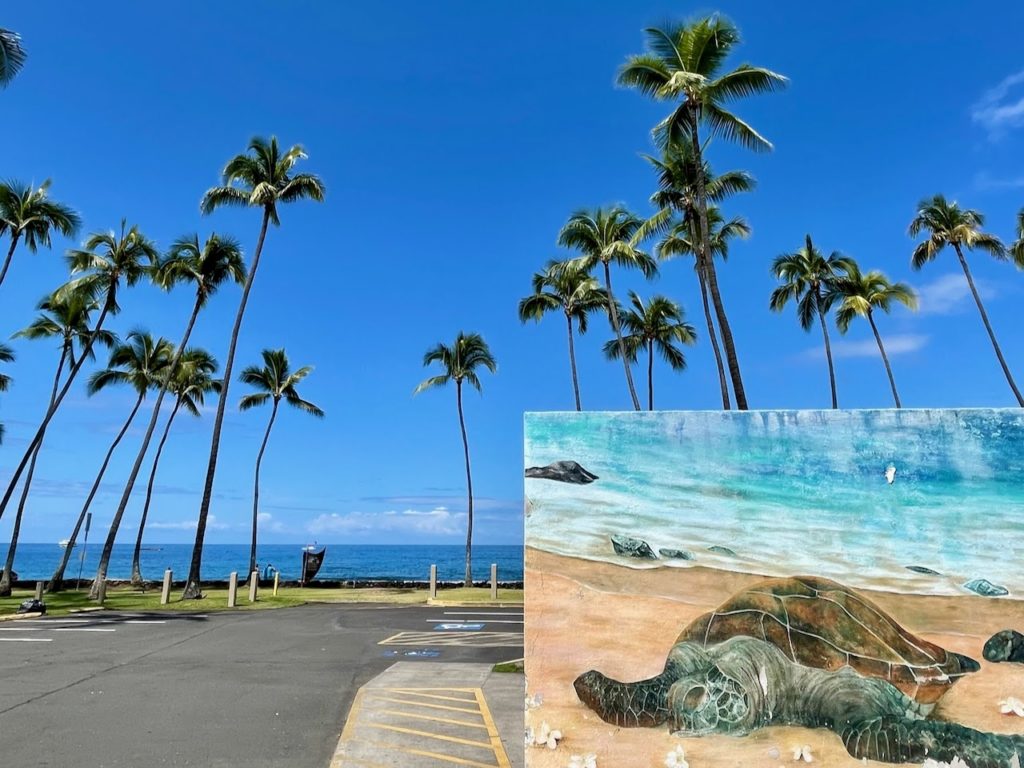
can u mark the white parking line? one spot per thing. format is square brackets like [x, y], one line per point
[480, 613]
[19, 629]
[143, 621]
[482, 621]
[26, 639]
[84, 629]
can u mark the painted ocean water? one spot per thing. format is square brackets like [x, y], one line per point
[792, 492]
[361, 562]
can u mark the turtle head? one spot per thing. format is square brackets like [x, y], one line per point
[709, 702]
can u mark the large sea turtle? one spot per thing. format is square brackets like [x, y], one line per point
[805, 651]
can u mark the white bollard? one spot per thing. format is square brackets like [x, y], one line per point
[233, 589]
[494, 581]
[254, 579]
[39, 589]
[433, 581]
[277, 581]
[165, 593]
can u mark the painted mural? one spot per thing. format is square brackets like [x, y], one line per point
[769, 588]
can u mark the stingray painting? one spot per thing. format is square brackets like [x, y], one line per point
[739, 588]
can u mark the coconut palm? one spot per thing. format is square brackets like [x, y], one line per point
[28, 214]
[1017, 249]
[6, 356]
[603, 236]
[261, 178]
[809, 279]
[190, 383]
[206, 267]
[460, 362]
[108, 262]
[66, 318]
[683, 63]
[12, 56]
[859, 295]
[567, 287]
[275, 382]
[145, 364]
[657, 325]
[946, 223]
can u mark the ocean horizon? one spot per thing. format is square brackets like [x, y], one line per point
[399, 562]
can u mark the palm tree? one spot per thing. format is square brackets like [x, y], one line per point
[261, 178]
[28, 214]
[860, 295]
[1017, 249]
[6, 356]
[657, 325]
[683, 62]
[275, 381]
[565, 286]
[191, 381]
[809, 279]
[947, 224]
[460, 362]
[107, 261]
[603, 236]
[207, 267]
[12, 56]
[66, 318]
[145, 364]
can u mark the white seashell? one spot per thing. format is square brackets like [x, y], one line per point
[551, 743]
[803, 753]
[1012, 706]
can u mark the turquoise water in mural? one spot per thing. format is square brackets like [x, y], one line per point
[792, 492]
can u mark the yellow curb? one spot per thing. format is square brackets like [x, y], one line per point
[17, 616]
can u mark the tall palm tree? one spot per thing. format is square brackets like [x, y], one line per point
[12, 56]
[603, 236]
[261, 178]
[66, 318]
[859, 295]
[460, 362]
[565, 286]
[6, 356]
[946, 223]
[658, 325]
[206, 267]
[28, 214]
[144, 364]
[108, 262]
[191, 381]
[275, 381]
[683, 63]
[809, 279]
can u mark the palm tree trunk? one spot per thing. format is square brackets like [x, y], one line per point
[137, 580]
[75, 368]
[572, 364]
[468, 582]
[885, 359]
[5, 578]
[714, 338]
[712, 277]
[256, 486]
[10, 255]
[988, 326]
[828, 350]
[193, 586]
[58, 575]
[650, 375]
[115, 524]
[614, 314]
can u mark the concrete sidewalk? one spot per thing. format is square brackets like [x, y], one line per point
[416, 714]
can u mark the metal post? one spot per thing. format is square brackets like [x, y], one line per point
[494, 581]
[254, 578]
[39, 589]
[233, 589]
[433, 581]
[277, 581]
[165, 593]
[85, 546]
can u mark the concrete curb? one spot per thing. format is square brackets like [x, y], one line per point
[18, 616]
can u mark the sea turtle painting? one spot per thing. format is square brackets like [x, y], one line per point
[807, 652]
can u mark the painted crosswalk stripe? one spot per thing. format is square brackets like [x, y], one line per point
[26, 639]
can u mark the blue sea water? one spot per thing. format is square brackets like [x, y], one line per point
[792, 492]
[361, 562]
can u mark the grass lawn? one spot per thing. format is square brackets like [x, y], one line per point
[127, 599]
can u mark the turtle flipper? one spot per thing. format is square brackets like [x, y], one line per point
[897, 740]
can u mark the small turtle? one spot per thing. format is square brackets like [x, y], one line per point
[805, 651]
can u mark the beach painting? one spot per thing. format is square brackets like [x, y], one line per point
[771, 588]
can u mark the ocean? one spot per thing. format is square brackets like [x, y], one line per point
[792, 492]
[361, 562]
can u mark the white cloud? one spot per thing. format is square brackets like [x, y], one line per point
[1001, 108]
[268, 524]
[894, 346]
[949, 294]
[986, 181]
[212, 524]
[436, 521]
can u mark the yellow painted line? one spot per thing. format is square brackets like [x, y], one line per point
[458, 690]
[429, 735]
[433, 719]
[362, 761]
[424, 704]
[426, 753]
[346, 732]
[437, 696]
[492, 729]
[388, 640]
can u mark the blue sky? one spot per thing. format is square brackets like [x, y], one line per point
[455, 139]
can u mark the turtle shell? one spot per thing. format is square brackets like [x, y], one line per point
[822, 624]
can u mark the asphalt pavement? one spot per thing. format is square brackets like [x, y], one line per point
[255, 688]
